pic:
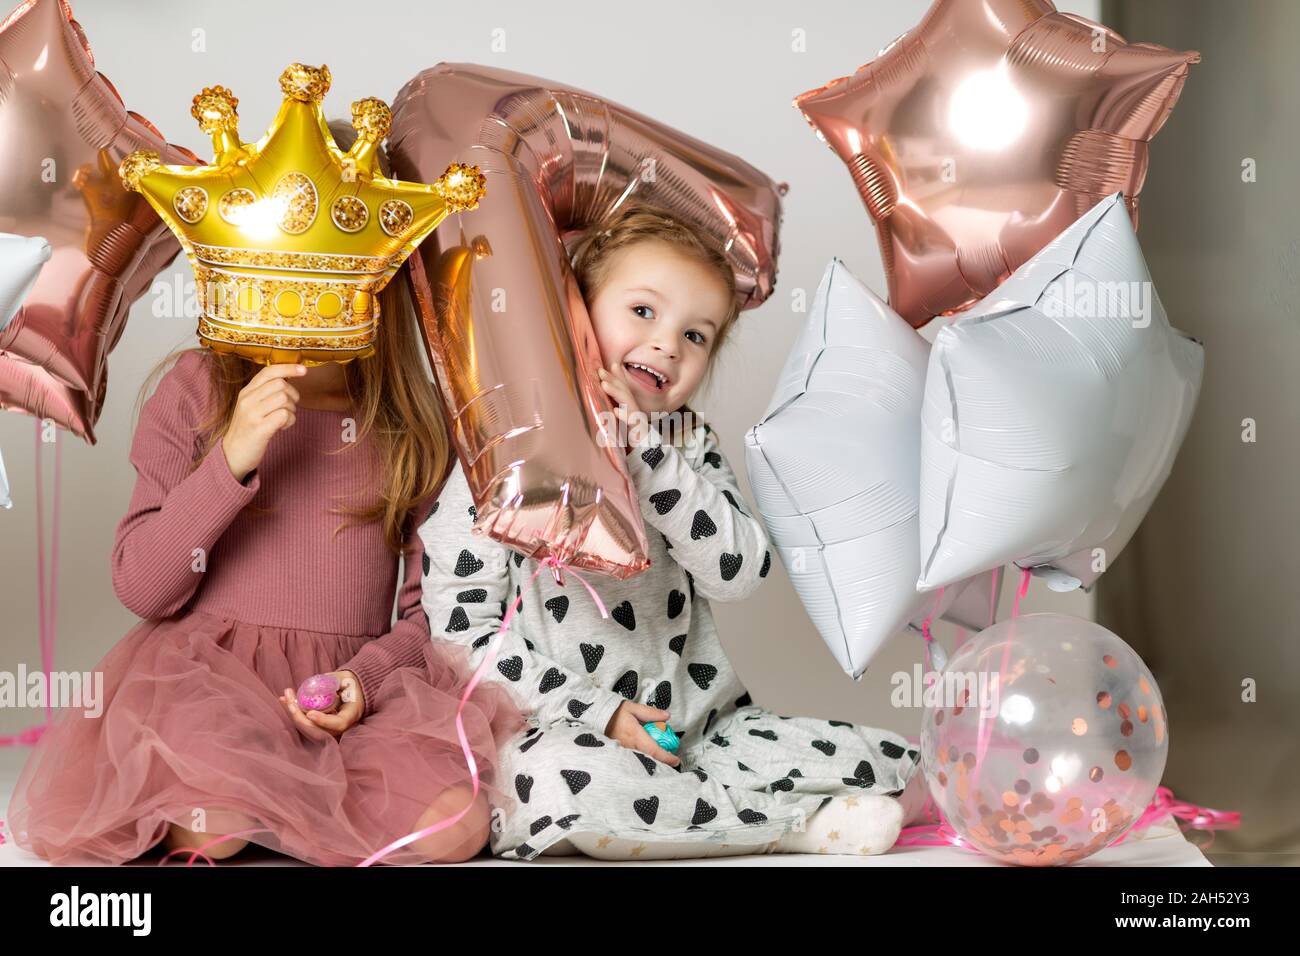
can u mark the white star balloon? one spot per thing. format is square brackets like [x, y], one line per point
[21, 259]
[834, 467]
[1053, 412]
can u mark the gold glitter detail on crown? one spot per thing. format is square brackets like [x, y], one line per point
[304, 234]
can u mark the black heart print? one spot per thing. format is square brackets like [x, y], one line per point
[767, 564]
[702, 526]
[825, 746]
[741, 766]
[663, 696]
[702, 674]
[472, 596]
[538, 825]
[591, 655]
[652, 457]
[647, 808]
[839, 723]
[729, 565]
[483, 641]
[676, 601]
[713, 458]
[785, 784]
[664, 500]
[459, 620]
[558, 606]
[523, 786]
[576, 779]
[577, 708]
[467, 564]
[511, 667]
[719, 741]
[677, 644]
[588, 740]
[744, 700]
[565, 822]
[625, 615]
[527, 744]
[668, 545]
[424, 562]
[751, 816]
[627, 685]
[704, 812]
[519, 560]
[551, 680]
[645, 762]
[891, 749]
[709, 722]
[863, 776]
[731, 498]
[764, 734]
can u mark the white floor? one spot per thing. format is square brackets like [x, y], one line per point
[1160, 845]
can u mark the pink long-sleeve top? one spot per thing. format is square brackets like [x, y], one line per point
[264, 551]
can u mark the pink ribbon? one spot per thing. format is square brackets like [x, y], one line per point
[986, 721]
[46, 603]
[488, 658]
[1163, 804]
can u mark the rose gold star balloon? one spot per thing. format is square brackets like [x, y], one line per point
[63, 132]
[978, 136]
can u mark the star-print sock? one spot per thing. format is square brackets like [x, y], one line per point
[866, 826]
[602, 847]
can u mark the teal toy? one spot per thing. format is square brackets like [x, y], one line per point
[663, 735]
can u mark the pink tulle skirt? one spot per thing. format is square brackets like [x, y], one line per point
[192, 732]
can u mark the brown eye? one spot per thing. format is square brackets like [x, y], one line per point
[699, 337]
[637, 309]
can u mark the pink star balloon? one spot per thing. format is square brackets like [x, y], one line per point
[978, 136]
[63, 132]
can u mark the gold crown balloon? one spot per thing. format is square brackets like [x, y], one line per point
[291, 238]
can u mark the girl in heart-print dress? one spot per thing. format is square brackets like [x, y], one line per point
[585, 775]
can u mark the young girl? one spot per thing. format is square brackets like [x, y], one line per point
[262, 545]
[586, 774]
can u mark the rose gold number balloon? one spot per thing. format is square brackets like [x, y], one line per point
[63, 131]
[978, 136]
[506, 327]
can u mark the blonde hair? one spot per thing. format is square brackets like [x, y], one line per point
[392, 398]
[637, 221]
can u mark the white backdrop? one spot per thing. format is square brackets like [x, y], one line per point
[723, 71]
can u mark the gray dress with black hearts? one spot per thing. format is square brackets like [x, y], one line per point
[747, 775]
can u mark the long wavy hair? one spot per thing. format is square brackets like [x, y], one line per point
[393, 399]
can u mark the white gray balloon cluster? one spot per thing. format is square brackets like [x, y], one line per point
[1037, 431]
[21, 258]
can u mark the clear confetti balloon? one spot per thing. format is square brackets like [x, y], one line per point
[1046, 740]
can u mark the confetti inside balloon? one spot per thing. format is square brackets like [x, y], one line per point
[291, 238]
[977, 136]
[1048, 742]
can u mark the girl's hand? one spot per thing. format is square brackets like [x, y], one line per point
[625, 407]
[265, 405]
[626, 726]
[320, 726]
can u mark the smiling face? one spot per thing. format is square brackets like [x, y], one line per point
[656, 316]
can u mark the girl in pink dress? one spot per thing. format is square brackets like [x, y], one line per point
[262, 546]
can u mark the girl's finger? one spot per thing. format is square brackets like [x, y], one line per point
[328, 721]
[271, 372]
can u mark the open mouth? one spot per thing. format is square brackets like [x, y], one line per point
[652, 379]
